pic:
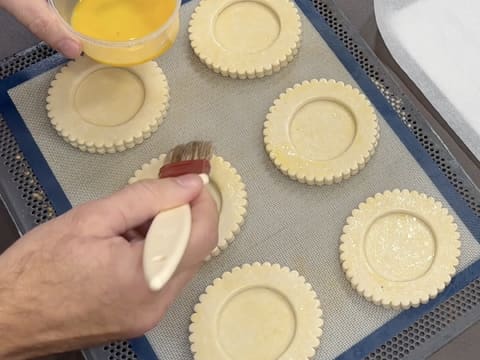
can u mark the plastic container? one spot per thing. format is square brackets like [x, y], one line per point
[122, 53]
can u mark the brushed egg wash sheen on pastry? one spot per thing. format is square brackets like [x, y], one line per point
[125, 32]
[225, 186]
[245, 39]
[321, 132]
[104, 109]
[400, 249]
[257, 312]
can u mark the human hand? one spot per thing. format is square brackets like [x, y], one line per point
[40, 20]
[78, 280]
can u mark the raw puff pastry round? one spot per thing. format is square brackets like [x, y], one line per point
[400, 249]
[257, 312]
[104, 109]
[321, 132]
[245, 39]
[227, 189]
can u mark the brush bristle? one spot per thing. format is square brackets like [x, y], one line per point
[194, 150]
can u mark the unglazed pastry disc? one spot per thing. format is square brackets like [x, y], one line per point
[257, 312]
[400, 249]
[321, 132]
[243, 38]
[104, 109]
[226, 188]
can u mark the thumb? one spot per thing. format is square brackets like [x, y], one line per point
[40, 20]
[140, 202]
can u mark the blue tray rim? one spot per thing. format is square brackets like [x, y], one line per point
[370, 343]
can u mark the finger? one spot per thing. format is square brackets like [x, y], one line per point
[133, 235]
[136, 248]
[138, 203]
[203, 239]
[40, 20]
[143, 229]
[171, 291]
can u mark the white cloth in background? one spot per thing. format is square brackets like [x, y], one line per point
[437, 43]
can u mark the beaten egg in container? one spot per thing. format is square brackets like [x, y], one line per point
[122, 32]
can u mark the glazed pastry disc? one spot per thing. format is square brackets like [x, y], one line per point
[321, 132]
[226, 188]
[400, 249]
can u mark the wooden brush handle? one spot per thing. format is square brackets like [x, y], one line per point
[165, 245]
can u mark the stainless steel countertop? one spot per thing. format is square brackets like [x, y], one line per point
[14, 37]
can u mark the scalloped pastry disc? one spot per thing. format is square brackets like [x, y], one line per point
[257, 312]
[400, 249]
[104, 109]
[243, 38]
[226, 188]
[321, 132]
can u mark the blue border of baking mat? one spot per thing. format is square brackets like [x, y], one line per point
[370, 343]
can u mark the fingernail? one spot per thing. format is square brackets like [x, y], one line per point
[205, 178]
[69, 48]
[188, 181]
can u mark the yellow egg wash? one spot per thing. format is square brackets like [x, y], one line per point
[121, 20]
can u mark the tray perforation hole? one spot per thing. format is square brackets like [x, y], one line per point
[395, 100]
[119, 350]
[23, 177]
[12, 156]
[19, 62]
[429, 325]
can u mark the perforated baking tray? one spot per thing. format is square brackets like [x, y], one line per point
[29, 206]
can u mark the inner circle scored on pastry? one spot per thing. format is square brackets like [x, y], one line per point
[257, 312]
[104, 109]
[321, 132]
[400, 249]
[243, 38]
[226, 188]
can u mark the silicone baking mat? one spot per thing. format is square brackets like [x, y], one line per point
[287, 223]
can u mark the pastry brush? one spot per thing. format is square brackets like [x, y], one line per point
[168, 235]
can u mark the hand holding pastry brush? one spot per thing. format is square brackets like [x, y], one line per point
[169, 233]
